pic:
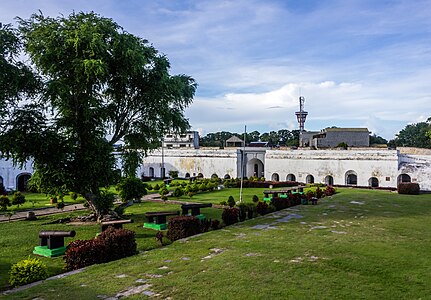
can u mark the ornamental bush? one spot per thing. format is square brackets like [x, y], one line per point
[262, 208]
[329, 191]
[119, 242]
[18, 199]
[231, 201]
[182, 226]
[319, 193]
[110, 245]
[408, 188]
[27, 271]
[178, 192]
[4, 202]
[242, 211]
[131, 189]
[230, 215]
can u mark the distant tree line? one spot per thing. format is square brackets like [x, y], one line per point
[414, 135]
[282, 137]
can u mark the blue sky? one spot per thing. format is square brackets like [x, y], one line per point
[357, 63]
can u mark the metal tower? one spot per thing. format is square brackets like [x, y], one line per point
[301, 115]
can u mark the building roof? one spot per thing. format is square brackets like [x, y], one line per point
[347, 129]
[234, 139]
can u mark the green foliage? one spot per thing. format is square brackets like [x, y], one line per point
[131, 162]
[105, 201]
[414, 135]
[231, 201]
[156, 187]
[73, 196]
[230, 215]
[342, 145]
[173, 174]
[242, 214]
[18, 198]
[27, 271]
[4, 202]
[408, 188]
[376, 140]
[60, 205]
[178, 192]
[100, 81]
[182, 227]
[255, 199]
[131, 188]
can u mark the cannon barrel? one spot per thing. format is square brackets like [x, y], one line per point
[57, 233]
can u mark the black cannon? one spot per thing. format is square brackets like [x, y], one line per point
[194, 207]
[54, 239]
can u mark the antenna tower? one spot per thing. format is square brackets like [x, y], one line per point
[301, 115]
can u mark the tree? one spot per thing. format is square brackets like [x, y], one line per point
[18, 199]
[414, 135]
[375, 139]
[131, 188]
[98, 82]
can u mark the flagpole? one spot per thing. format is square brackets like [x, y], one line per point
[242, 164]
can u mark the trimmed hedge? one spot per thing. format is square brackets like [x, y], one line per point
[27, 271]
[111, 244]
[408, 188]
[230, 215]
[183, 226]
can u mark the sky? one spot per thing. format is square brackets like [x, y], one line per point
[361, 63]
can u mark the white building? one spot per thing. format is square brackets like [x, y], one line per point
[189, 139]
[355, 167]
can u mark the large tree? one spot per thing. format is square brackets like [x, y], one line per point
[101, 85]
[414, 135]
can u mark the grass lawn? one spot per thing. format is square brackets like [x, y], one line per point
[358, 244]
[19, 238]
[38, 200]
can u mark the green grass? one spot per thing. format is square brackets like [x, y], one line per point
[38, 200]
[374, 248]
[19, 238]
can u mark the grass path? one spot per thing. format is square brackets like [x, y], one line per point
[359, 244]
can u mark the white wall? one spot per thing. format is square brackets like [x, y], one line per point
[9, 173]
[320, 163]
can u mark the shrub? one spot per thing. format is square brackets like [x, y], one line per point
[18, 199]
[73, 196]
[251, 210]
[319, 193]
[159, 237]
[182, 227]
[329, 191]
[178, 192]
[119, 242]
[4, 202]
[163, 192]
[173, 174]
[231, 201]
[156, 187]
[230, 215]
[224, 203]
[215, 224]
[110, 245]
[279, 203]
[310, 194]
[262, 208]
[82, 253]
[27, 271]
[105, 201]
[131, 189]
[255, 199]
[242, 211]
[60, 205]
[409, 188]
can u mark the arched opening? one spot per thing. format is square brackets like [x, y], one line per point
[404, 178]
[275, 177]
[351, 178]
[200, 175]
[329, 180]
[254, 168]
[21, 182]
[226, 176]
[162, 172]
[187, 175]
[309, 179]
[1, 180]
[373, 182]
[214, 176]
[290, 177]
[151, 172]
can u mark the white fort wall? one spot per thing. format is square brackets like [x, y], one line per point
[10, 174]
[381, 164]
[192, 161]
